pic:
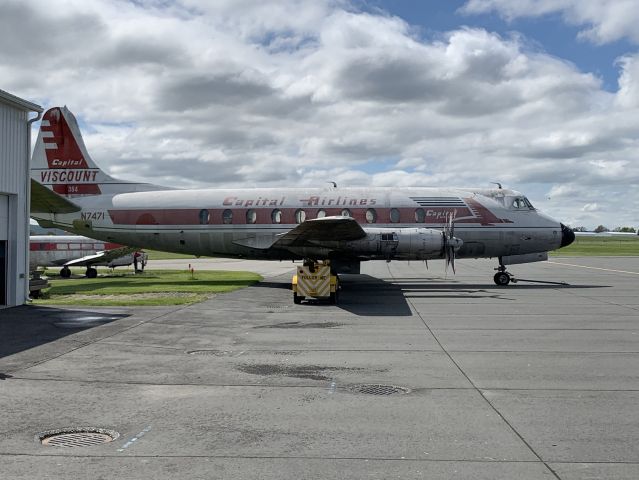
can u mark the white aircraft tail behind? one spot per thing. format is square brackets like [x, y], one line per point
[62, 163]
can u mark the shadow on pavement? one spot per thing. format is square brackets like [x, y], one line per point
[25, 327]
[372, 296]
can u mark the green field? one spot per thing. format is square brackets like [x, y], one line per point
[157, 287]
[601, 246]
[158, 255]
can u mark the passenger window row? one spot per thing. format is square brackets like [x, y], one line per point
[301, 216]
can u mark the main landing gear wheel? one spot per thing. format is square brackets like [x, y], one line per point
[91, 272]
[502, 278]
[65, 272]
[333, 298]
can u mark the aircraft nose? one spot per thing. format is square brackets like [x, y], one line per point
[567, 236]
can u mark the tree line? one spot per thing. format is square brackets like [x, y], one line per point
[603, 228]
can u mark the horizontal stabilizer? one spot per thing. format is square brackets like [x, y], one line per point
[44, 200]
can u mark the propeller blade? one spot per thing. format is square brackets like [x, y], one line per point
[452, 223]
[452, 259]
[445, 247]
[449, 241]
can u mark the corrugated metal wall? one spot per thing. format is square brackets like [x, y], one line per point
[14, 153]
[13, 149]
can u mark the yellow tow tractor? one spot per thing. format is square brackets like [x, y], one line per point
[315, 280]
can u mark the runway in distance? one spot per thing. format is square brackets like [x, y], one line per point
[76, 251]
[344, 225]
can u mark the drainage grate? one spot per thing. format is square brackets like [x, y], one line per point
[76, 437]
[302, 325]
[216, 353]
[380, 389]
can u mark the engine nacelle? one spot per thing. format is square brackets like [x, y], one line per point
[400, 243]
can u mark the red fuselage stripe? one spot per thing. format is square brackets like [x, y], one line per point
[72, 246]
[263, 215]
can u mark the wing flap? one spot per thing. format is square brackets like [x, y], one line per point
[316, 231]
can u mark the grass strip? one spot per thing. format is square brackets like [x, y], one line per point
[153, 287]
[158, 255]
[595, 246]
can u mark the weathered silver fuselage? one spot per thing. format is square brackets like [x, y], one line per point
[491, 223]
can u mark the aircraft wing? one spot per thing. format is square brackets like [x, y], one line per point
[44, 200]
[318, 230]
[101, 257]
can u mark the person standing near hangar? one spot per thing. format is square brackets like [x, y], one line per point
[15, 146]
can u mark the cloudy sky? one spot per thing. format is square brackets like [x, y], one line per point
[541, 95]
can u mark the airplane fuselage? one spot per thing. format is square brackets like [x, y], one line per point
[237, 223]
[58, 250]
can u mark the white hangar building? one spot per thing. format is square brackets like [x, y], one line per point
[15, 147]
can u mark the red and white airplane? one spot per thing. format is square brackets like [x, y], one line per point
[75, 251]
[345, 225]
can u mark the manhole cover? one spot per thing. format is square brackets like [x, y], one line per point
[76, 437]
[380, 389]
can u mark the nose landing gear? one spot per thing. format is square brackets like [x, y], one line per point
[502, 277]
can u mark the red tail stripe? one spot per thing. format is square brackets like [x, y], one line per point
[67, 153]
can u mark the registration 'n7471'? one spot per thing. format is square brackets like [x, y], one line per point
[88, 215]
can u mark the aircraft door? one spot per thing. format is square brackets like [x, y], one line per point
[4, 235]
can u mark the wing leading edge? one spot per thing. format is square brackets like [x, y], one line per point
[101, 257]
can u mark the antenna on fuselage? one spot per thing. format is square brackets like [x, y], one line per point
[498, 185]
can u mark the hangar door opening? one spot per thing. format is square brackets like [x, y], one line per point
[4, 231]
[3, 272]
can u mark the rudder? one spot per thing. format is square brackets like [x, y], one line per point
[62, 163]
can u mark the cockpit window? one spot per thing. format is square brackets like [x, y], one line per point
[522, 203]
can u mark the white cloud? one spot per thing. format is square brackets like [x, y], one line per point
[604, 20]
[237, 93]
[628, 94]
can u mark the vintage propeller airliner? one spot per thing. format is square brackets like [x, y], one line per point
[76, 251]
[343, 225]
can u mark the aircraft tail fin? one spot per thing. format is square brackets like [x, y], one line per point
[62, 163]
